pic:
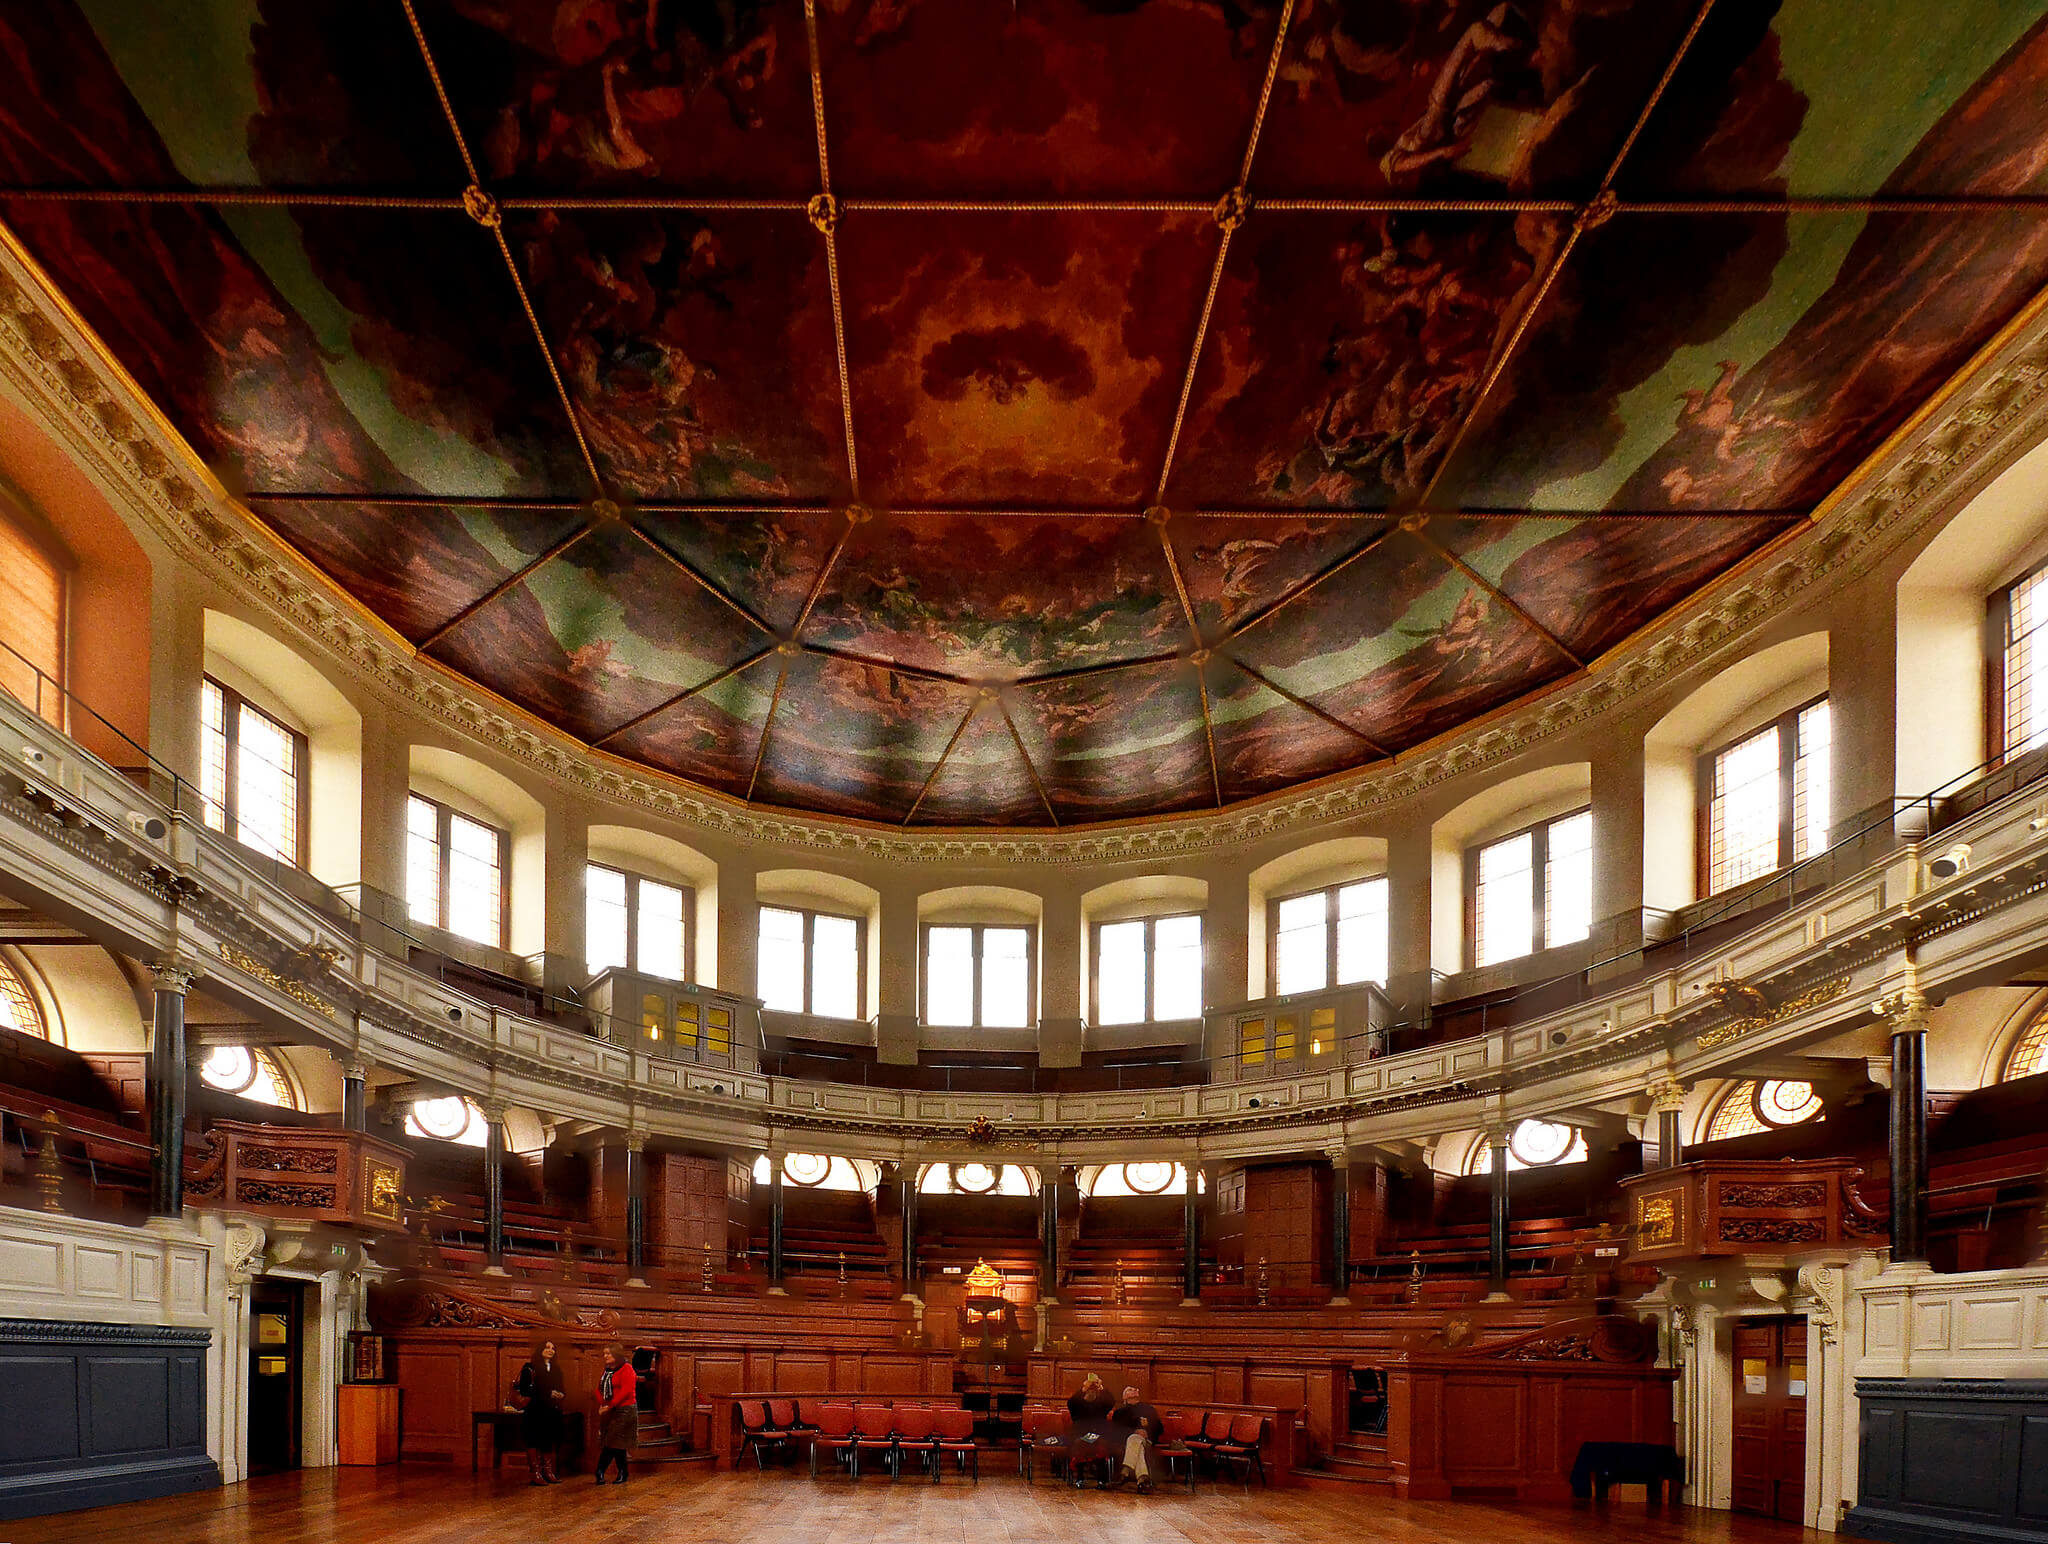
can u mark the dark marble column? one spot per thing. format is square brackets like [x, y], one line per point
[1667, 1098]
[494, 1188]
[1191, 1241]
[1908, 1014]
[355, 1104]
[636, 1208]
[775, 1222]
[1497, 1217]
[1049, 1234]
[166, 1090]
[1340, 1228]
[908, 1194]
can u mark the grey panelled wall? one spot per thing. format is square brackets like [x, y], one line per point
[1952, 1461]
[99, 1413]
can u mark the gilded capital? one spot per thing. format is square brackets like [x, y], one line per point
[173, 976]
[1665, 1092]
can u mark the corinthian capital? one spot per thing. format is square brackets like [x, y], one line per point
[173, 976]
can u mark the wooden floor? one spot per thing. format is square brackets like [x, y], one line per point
[430, 1505]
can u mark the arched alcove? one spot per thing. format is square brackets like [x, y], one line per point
[1335, 861]
[467, 786]
[818, 890]
[1747, 694]
[672, 862]
[281, 683]
[1492, 812]
[1940, 729]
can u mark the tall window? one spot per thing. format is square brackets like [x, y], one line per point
[254, 774]
[1768, 799]
[2021, 676]
[2029, 1053]
[810, 962]
[1334, 936]
[634, 923]
[454, 872]
[1531, 890]
[31, 624]
[1148, 970]
[978, 976]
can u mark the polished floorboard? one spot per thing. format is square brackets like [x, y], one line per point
[425, 1504]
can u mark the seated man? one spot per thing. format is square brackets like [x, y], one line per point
[1141, 1426]
[1091, 1437]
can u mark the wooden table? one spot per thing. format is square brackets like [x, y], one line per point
[502, 1422]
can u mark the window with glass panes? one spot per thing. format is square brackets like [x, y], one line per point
[2020, 675]
[253, 773]
[455, 872]
[1531, 890]
[1336, 936]
[810, 962]
[1767, 799]
[1148, 970]
[631, 922]
[979, 975]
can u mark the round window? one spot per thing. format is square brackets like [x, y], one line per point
[975, 1178]
[1538, 1143]
[1784, 1102]
[229, 1068]
[447, 1119]
[806, 1168]
[1148, 1179]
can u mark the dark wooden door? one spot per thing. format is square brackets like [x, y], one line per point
[276, 1335]
[1770, 1418]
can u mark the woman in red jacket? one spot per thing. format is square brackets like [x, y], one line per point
[618, 1412]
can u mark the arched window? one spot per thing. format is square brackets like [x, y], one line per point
[1153, 1178]
[451, 1118]
[1766, 1104]
[977, 1179]
[249, 1072]
[818, 1171]
[18, 1009]
[2029, 1053]
[1534, 1144]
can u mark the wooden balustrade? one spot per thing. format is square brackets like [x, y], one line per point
[1728, 1206]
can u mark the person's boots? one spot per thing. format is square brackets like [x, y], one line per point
[535, 1467]
[622, 1470]
[547, 1468]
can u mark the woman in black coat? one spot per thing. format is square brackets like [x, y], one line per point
[542, 1396]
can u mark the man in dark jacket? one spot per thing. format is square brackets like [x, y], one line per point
[1139, 1426]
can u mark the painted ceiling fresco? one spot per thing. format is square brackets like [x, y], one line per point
[1028, 412]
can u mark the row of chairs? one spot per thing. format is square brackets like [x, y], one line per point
[851, 1434]
[1187, 1441]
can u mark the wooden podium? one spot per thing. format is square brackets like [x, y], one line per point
[369, 1423]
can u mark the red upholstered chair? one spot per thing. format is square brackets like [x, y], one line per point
[1242, 1446]
[956, 1438]
[917, 1436]
[836, 1438]
[874, 1429]
[782, 1415]
[1172, 1447]
[807, 1412]
[758, 1431]
[1044, 1436]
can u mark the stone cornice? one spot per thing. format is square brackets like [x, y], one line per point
[89, 404]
